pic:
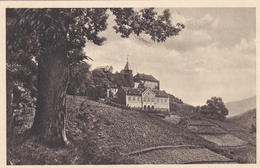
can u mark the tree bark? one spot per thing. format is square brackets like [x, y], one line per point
[49, 123]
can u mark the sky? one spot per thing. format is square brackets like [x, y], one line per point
[215, 55]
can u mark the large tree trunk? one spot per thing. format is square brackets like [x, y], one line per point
[50, 117]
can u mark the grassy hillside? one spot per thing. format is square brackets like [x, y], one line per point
[102, 134]
[127, 130]
[239, 107]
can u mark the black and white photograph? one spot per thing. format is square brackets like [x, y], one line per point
[133, 83]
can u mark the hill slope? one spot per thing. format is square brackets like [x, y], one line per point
[102, 134]
[244, 120]
[239, 107]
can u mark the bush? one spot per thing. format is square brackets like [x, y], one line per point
[174, 107]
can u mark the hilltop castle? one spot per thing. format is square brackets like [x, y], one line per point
[143, 91]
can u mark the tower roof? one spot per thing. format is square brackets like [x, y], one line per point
[127, 66]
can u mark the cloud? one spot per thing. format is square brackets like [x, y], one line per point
[188, 40]
[212, 71]
[203, 23]
[176, 17]
[195, 34]
[246, 47]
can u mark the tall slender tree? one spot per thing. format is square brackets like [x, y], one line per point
[51, 37]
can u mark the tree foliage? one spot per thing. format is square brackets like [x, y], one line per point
[80, 81]
[122, 80]
[215, 108]
[146, 21]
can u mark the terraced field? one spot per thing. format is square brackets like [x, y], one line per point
[214, 133]
[225, 140]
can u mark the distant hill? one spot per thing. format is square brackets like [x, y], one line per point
[239, 107]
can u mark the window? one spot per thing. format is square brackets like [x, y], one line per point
[158, 100]
[138, 98]
[162, 100]
[133, 98]
[144, 99]
[165, 100]
[129, 98]
[148, 99]
[152, 99]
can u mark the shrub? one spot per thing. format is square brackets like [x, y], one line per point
[174, 107]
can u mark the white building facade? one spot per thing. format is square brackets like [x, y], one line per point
[144, 98]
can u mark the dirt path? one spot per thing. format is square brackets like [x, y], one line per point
[161, 148]
[180, 155]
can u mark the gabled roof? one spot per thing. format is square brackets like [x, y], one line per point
[139, 91]
[160, 93]
[138, 77]
[133, 91]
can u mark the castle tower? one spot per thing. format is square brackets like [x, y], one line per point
[128, 74]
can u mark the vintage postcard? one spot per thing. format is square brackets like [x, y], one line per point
[158, 83]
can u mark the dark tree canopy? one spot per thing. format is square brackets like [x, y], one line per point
[146, 21]
[80, 79]
[215, 108]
